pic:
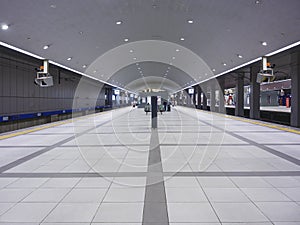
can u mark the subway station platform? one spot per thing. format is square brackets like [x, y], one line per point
[111, 168]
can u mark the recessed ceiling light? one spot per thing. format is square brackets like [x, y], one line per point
[95, 71]
[141, 72]
[53, 6]
[134, 58]
[137, 64]
[240, 56]
[190, 21]
[4, 27]
[126, 39]
[206, 74]
[169, 67]
[139, 68]
[171, 64]
[81, 32]
[102, 75]
[224, 64]
[69, 59]
[213, 70]
[182, 39]
[84, 66]
[264, 43]
[173, 57]
[257, 2]
[177, 50]
[131, 51]
[119, 22]
[46, 47]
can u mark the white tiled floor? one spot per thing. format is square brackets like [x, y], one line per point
[99, 178]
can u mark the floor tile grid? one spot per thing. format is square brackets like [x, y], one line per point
[61, 201]
[21, 199]
[254, 203]
[282, 192]
[211, 206]
[246, 196]
[99, 207]
[57, 203]
[251, 142]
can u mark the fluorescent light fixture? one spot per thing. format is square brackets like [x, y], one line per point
[264, 43]
[126, 39]
[190, 21]
[224, 64]
[119, 22]
[4, 27]
[283, 49]
[46, 47]
[182, 39]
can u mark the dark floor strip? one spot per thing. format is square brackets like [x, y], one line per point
[155, 204]
[236, 174]
[147, 174]
[48, 148]
[261, 146]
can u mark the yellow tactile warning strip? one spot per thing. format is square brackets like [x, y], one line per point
[278, 127]
[27, 131]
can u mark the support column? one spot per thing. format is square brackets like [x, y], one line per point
[295, 90]
[221, 97]
[194, 96]
[154, 111]
[239, 93]
[204, 101]
[254, 94]
[199, 91]
[212, 99]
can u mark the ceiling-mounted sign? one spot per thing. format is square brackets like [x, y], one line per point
[191, 91]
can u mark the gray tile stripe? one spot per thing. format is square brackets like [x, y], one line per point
[236, 174]
[203, 145]
[165, 174]
[33, 155]
[131, 132]
[267, 149]
[155, 203]
[48, 148]
[261, 146]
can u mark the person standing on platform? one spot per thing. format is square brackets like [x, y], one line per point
[147, 108]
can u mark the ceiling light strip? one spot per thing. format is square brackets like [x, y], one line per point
[245, 64]
[20, 50]
[57, 64]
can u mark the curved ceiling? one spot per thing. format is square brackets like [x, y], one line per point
[218, 32]
[151, 75]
